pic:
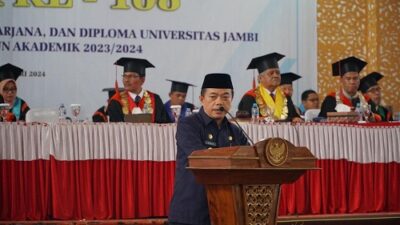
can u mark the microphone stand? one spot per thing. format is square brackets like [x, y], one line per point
[222, 109]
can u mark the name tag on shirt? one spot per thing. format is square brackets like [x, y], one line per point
[210, 143]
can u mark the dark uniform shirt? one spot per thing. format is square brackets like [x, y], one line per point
[197, 132]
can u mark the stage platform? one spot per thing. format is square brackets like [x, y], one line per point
[331, 219]
[342, 219]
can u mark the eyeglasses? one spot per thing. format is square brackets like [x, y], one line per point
[11, 90]
[312, 99]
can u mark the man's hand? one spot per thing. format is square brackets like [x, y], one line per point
[297, 120]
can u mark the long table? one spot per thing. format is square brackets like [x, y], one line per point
[120, 171]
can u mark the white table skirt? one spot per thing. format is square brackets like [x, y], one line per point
[156, 142]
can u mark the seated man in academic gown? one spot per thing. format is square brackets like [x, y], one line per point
[287, 85]
[101, 114]
[269, 97]
[348, 96]
[135, 99]
[177, 96]
[370, 88]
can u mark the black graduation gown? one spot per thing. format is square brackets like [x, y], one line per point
[100, 115]
[114, 110]
[329, 105]
[383, 112]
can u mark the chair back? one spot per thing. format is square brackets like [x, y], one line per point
[310, 114]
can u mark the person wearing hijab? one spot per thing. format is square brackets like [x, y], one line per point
[18, 107]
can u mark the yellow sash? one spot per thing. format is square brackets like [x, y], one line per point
[125, 102]
[278, 107]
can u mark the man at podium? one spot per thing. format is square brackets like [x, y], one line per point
[207, 129]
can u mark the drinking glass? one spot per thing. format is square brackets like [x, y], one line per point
[366, 112]
[4, 107]
[176, 111]
[75, 110]
[269, 117]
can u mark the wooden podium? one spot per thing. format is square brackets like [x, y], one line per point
[243, 182]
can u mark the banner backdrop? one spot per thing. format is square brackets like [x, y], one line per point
[67, 48]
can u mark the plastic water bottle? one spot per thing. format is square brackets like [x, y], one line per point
[146, 108]
[62, 112]
[254, 113]
[359, 112]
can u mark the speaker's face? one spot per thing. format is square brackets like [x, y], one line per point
[213, 99]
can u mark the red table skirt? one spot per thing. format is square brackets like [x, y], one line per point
[344, 187]
[121, 189]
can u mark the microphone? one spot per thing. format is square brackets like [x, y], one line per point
[222, 109]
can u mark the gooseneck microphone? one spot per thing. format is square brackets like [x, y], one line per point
[222, 109]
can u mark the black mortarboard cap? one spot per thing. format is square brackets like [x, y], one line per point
[268, 61]
[369, 81]
[134, 65]
[288, 78]
[179, 86]
[9, 71]
[111, 91]
[350, 64]
[217, 80]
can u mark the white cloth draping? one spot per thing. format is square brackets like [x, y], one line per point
[156, 142]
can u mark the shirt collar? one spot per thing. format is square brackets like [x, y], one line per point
[208, 120]
[347, 95]
[133, 95]
[269, 92]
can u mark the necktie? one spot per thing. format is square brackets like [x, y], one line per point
[272, 96]
[137, 99]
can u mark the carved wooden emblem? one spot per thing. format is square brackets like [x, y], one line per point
[276, 151]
